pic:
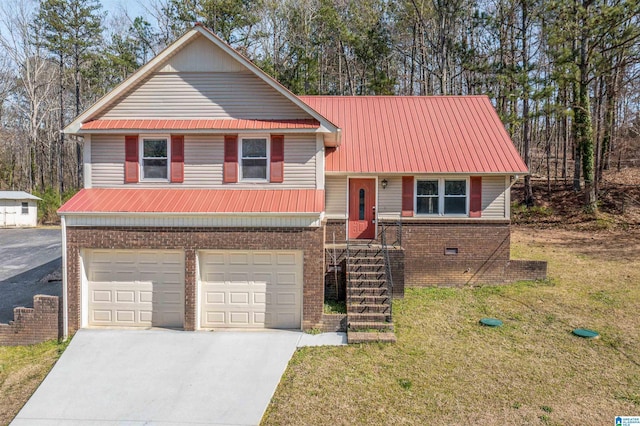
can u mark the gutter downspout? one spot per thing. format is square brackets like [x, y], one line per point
[65, 316]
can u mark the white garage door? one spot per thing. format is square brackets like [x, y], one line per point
[250, 289]
[135, 288]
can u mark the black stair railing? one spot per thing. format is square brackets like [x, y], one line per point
[387, 268]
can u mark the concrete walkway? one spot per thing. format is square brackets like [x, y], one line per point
[162, 377]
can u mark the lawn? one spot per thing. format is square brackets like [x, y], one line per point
[447, 369]
[22, 369]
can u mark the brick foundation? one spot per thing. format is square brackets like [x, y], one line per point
[397, 260]
[337, 228]
[191, 240]
[334, 322]
[33, 325]
[335, 279]
[483, 249]
[483, 254]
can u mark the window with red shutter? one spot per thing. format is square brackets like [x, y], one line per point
[131, 168]
[475, 201]
[230, 167]
[177, 158]
[277, 159]
[407, 196]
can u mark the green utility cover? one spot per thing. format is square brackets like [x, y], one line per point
[586, 333]
[491, 322]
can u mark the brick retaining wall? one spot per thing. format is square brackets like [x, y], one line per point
[334, 322]
[33, 325]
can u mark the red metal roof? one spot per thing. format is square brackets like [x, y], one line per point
[227, 124]
[107, 200]
[417, 134]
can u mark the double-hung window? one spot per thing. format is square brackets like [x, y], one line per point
[455, 197]
[25, 208]
[442, 197]
[155, 158]
[254, 154]
[427, 200]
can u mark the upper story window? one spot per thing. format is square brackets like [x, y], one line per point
[25, 208]
[441, 197]
[254, 154]
[155, 155]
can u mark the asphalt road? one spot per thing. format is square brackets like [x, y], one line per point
[27, 258]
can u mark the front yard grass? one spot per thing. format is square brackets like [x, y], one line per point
[447, 369]
[22, 369]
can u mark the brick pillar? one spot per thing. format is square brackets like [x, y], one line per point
[190, 289]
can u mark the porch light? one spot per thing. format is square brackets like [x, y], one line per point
[384, 183]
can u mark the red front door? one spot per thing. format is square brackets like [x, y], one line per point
[362, 201]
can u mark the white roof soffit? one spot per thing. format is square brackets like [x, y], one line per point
[331, 139]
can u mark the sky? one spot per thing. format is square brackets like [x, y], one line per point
[134, 7]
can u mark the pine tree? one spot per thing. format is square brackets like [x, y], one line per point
[70, 30]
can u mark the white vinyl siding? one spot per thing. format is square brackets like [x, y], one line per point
[201, 55]
[335, 190]
[107, 161]
[493, 197]
[203, 160]
[205, 95]
[390, 198]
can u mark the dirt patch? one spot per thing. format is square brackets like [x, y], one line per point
[618, 203]
[609, 244]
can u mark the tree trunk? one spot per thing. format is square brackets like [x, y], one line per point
[528, 192]
[584, 127]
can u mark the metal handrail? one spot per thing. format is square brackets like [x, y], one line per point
[348, 276]
[387, 269]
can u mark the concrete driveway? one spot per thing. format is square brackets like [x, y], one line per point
[161, 377]
[27, 258]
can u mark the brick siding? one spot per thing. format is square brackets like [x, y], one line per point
[334, 322]
[191, 240]
[335, 289]
[33, 325]
[483, 254]
[337, 227]
[483, 250]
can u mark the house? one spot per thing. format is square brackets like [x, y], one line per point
[213, 198]
[18, 209]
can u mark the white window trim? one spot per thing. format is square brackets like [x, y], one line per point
[241, 138]
[22, 205]
[141, 157]
[441, 197]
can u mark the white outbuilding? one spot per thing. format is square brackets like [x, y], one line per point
[18, 209]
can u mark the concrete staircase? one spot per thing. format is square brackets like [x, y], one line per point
[368, 296]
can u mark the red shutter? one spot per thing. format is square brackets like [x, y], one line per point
[277, 159]
[131, 159]
[230, 171]
[177, 158]
[475, 200]
[407, 196]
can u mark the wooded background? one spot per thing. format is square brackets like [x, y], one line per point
[563, 75]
